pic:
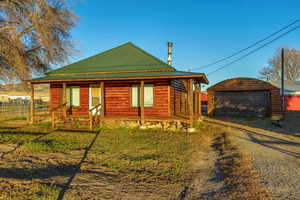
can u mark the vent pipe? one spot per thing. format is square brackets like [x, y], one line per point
[170, 45]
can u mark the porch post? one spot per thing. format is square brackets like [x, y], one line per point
[190, 100]
[64, 97]
[102, 99]
[142, 102]
[198, 100]
[32, 107]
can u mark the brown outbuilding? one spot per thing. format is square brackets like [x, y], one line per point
[244, 97]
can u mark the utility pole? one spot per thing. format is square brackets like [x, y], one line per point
[282, 84]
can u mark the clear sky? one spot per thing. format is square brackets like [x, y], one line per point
[201, 30]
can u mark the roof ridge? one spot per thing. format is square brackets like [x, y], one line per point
[146, 53]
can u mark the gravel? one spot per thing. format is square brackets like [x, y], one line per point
[276, 158]
[207, 179]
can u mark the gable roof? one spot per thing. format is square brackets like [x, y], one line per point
[124, 58]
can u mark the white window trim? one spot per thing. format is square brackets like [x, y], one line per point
[70, 103]
[138, 99]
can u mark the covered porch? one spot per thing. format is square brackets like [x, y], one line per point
[107, 100]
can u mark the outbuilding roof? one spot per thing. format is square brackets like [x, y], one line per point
[120, 63]
[242, 84]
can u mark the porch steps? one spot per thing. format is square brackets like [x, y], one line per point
[77, 123]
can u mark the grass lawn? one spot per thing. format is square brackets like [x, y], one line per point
[149, 164]
[147, 156]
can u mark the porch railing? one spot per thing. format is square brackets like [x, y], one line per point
[58, 113]
[94, 116]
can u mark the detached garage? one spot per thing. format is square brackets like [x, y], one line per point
[243, 97]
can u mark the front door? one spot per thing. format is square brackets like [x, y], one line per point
[95, 96]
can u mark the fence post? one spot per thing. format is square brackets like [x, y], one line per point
[52, 119]
[32, 106]
[91, 120]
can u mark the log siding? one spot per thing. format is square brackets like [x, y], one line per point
[117, 98]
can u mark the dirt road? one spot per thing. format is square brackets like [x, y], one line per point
[276, 158]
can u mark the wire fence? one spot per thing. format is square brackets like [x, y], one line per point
[21, 109]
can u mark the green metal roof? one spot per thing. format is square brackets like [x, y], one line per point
[119, 76]
[126, 57]
[121, 63]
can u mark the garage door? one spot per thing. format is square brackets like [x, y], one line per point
[244, 104]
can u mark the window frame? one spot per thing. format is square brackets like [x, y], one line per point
[70, 104]
[138, 86]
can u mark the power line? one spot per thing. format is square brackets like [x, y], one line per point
[248, 47]
[255, 50]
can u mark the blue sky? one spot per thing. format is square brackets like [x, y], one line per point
[202, 30]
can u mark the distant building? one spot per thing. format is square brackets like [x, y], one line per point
[204, 100]
[291, 94]
[4, 98]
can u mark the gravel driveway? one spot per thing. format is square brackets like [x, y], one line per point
[276, 158]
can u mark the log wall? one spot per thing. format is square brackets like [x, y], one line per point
[118, 99]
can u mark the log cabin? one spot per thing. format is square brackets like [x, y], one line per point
[123, 83]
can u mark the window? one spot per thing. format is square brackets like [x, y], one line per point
[95, 95]
[148, 95]
[73, 96]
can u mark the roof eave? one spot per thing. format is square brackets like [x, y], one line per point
[201, 78]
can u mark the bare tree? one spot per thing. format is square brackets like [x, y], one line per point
[292, 66]
[34, 34]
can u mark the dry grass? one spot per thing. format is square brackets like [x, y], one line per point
[20, 190]
[241, 181]
[140, 162]
[149, 155]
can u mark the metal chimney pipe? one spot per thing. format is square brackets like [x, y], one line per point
[170, 45]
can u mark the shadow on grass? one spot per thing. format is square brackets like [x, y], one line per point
[41, 135]
[76, 169]
[53, 170]
[48, 172]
